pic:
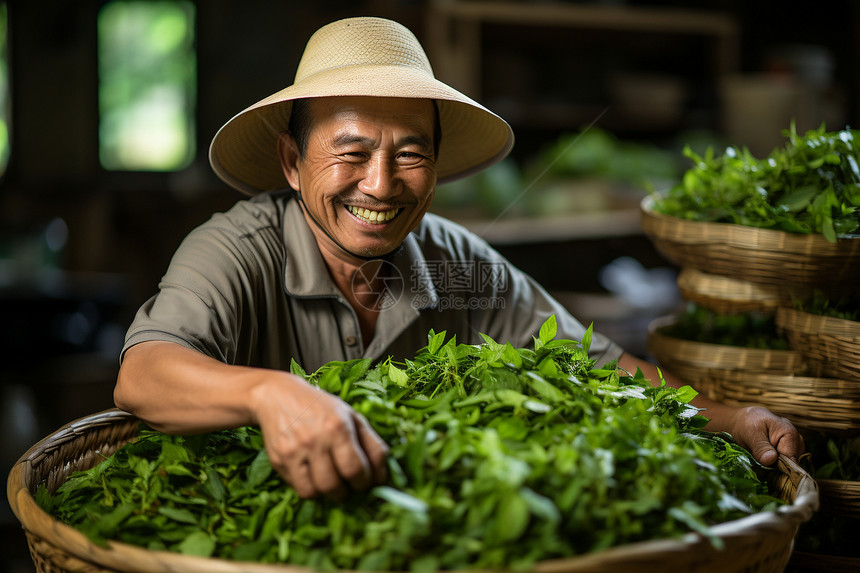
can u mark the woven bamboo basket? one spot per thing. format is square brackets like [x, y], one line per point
[822, 404]
[830, 345]
[704, 355]
[840, 497]
[760, 542]
[786, 260]
[726, 295]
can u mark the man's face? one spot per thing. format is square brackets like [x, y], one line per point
[368, 175]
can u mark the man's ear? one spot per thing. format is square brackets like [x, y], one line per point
[288, 152]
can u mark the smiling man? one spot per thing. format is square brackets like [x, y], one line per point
[336, 257]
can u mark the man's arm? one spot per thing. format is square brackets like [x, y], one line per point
[757, 429]
[317, 442]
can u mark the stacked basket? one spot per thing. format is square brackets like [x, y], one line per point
[733, 269]
[831, 347]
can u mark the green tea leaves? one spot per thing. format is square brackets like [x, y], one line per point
[808, 186]
[198, 543]
[499, 457]
[548, 330]
[397, 376]
[176, 514]
[400, 499]
[259, 470]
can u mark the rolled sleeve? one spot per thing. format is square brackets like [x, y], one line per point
[201, 299]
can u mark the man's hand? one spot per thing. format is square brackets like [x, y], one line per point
[759, 430]
[316, 441]
[765, 434]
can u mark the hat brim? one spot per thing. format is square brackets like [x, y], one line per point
[244, 151]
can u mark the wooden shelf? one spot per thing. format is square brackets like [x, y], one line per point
[574, 117]
[623, 18]
[461, 34]
[518, 231]
[455, 40]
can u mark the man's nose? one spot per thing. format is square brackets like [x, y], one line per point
[380, 179]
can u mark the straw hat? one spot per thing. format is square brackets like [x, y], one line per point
[358, 57]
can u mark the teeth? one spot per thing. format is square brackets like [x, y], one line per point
[375, 217]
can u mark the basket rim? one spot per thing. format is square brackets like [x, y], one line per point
[658, 323]
[819, 324]
[720, 286]
[662, 321]
[740, 236]
[796, 381]
[130, 558]
[838, 484]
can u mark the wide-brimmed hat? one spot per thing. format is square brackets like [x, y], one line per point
[358, 57]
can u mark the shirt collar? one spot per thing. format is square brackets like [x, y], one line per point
[306, 274]
[410, 290]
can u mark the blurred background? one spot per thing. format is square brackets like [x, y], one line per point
[107, 109]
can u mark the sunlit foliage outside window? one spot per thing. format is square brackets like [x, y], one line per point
[147, 85]
[5, 111]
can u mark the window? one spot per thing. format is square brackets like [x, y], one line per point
[5, 111]
[147, 85]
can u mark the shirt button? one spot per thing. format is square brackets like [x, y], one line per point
[350, 340]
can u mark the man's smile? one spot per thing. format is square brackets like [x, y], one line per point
[373, 217]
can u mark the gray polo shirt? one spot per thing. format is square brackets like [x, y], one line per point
[250, 287]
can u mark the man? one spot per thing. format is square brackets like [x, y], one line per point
[335, 257]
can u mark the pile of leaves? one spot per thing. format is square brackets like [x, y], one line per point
[846, 308]
[811, 185]
[595, 152]
[833, 457]
[746, 330]
[499, 457]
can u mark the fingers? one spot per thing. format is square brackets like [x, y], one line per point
[764, 453]
[313, 476]
[298, 475]
[357, 458]
[375, 448]
[326, 450]
[325, 477]
[350, 461]
[767, 435]
[788, 440]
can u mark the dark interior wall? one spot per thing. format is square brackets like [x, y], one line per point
[123, 227]
[127, 225]
[130, 223]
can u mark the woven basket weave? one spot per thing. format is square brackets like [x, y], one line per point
[704, 355]
[786, 260]
[822, 404]
[830, 345]
[725, 295]
[840, 497]
[760, 542]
